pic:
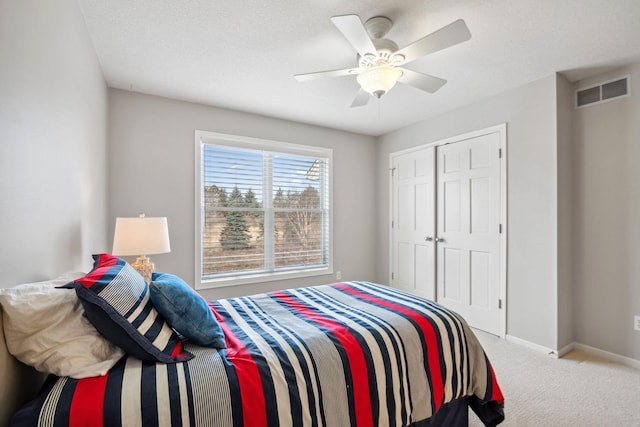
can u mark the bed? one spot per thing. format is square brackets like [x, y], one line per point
[344, 354]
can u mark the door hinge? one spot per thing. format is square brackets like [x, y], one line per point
[500, 228]
[499, 153]
[500, 304]
[392, 170]
[392, 223]
[392, 275]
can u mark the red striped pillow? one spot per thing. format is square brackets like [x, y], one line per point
[116, 301]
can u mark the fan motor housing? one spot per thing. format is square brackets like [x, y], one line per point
[385, 50]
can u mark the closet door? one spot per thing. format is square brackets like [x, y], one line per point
[413, 222]
[447, 241]
[468, 230]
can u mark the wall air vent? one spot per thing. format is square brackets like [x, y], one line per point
[604, 92]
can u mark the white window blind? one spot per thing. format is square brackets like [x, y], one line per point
[264, 210]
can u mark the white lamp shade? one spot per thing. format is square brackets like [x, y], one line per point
[379, 80]
[141, 236]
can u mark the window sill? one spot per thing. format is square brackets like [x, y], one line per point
[261, 277]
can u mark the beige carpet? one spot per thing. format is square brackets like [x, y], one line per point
[577, 390]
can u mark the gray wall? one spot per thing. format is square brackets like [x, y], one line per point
[152, 170]
[607, 220]
[532, 272]
[52, 142]
[564, 119]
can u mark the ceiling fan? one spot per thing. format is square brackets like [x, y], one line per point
[380, 59]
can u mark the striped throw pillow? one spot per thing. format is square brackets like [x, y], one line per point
[116, 301]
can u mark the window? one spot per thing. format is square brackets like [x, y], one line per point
[263, 210]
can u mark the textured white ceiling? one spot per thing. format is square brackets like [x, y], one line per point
[243, 54]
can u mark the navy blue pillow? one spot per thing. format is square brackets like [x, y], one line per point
[116, 300]
[185, 310]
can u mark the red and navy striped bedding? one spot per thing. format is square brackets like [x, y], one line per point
[347, 354]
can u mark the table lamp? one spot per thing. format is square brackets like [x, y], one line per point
[141, 236]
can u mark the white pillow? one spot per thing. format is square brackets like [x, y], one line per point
[46, 328]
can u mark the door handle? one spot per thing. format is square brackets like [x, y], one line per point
[439, 239]
[428, 239]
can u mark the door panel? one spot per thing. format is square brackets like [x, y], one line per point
[425, 275]
[480, 279]
[451, 162]
[404, 271]
[468, 221]
[413, 198]
[480, 199]
[424, 206]
[452, 206]
[406, 199]
[451, 273]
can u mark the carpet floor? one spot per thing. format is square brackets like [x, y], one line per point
[576, 390]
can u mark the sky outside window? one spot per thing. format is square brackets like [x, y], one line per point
[228, 168]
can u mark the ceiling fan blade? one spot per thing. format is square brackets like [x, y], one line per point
[421, 81]
[323, 74]
[362, 98]
[447, 36]
[351, 27]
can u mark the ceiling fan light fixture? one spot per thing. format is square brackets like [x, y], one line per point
[378, 80]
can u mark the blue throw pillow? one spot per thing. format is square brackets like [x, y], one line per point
[185, 310]
[116, 300]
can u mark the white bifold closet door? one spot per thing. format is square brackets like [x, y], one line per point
[446, 242]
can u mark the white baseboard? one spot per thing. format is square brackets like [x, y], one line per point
[566, 349]
[537, 347]
[613, 357]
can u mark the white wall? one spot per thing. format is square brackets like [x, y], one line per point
[52, 141]
[532, 273]
[152, 170]
[607, 220]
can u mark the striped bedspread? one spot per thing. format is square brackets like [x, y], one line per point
[347, 354]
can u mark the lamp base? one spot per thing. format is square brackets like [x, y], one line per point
[144, 267]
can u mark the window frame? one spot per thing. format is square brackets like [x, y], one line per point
[238, 142]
